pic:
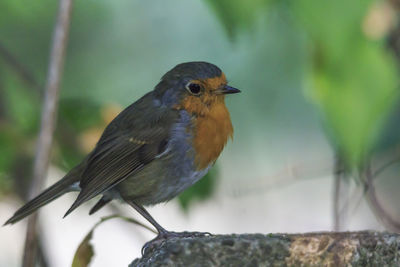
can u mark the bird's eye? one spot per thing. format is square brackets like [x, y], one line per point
[193, 88]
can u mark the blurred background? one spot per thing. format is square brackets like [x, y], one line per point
[316, 142]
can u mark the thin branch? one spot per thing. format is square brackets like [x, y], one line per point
[380, 212]
[284, 177]
[48, 120]
[19, 68]
[340, 194]
[385, 166]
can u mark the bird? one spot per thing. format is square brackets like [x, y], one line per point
[155, 148]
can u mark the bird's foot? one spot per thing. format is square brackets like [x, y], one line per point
[165, 235]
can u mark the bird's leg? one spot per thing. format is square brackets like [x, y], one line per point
[163, 234]
[148, 217]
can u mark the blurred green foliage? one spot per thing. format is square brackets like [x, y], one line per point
[236, 15]
[22, 105]
[352, 78]
[25, 30]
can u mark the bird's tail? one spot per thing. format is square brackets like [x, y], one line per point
[65, 185]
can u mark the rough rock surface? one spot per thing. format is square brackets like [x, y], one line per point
[311, 249]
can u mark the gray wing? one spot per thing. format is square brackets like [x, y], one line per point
[130, 142]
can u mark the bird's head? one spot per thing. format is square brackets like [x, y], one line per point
[194, 86]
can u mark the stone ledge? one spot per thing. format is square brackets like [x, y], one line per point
[365, 248]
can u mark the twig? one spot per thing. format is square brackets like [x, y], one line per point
[284, 177]
[379, 210]
[48, 120]
[384, 167]
[19, 68]
[339, 194]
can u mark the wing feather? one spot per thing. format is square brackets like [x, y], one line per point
[127, 145]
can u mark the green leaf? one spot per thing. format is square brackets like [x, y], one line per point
[353, 80]
[356, 106]
[334, 25]
[200, 190]
[237, 14]
[84, 253]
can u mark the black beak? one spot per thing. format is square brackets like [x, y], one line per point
[228, 90]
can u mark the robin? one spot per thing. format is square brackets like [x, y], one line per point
[155, 148]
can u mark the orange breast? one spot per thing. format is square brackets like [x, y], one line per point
[211, 134]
